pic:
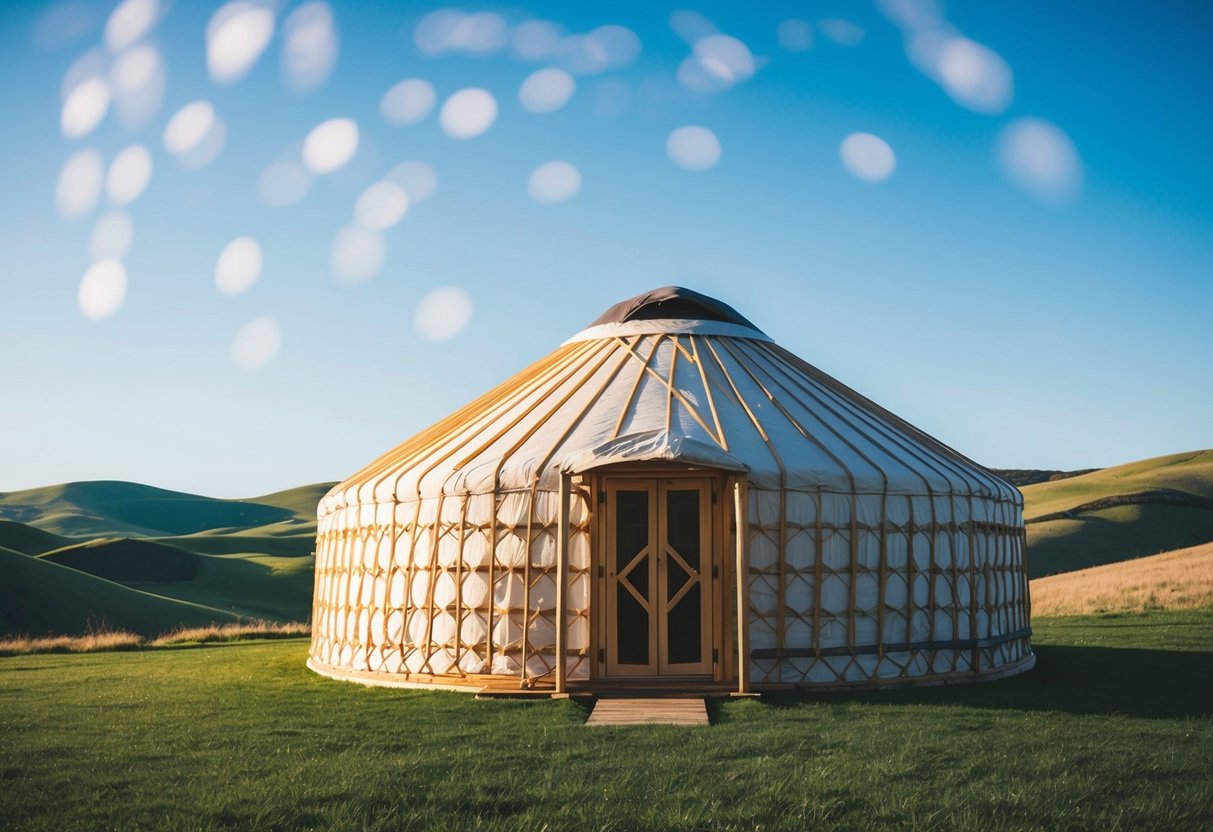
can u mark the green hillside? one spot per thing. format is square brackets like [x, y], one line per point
[251, 558]
[29, 541]
[251, 585]
[128, 561]
[1114, 514]
[126, 509]
[39, 597]
[302, 500]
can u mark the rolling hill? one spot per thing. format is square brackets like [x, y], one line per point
[1182, 579]
[39, 597]
[29, 541]
[128, 561]
[126, 509]
[1113, 514]
[250, 558]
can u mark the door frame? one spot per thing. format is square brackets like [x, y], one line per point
[718, 633]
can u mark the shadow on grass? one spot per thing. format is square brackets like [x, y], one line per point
[1153, 684]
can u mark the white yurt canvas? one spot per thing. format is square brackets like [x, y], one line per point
[576, 527]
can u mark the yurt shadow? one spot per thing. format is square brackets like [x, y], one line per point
[1134, 682]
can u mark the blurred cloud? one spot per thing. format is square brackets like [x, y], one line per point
[129, 175]
[129, 21]
[582, 55]
[914, 15]
[330, 145]
[418, 179]
[102, 289]
[691, 26]
[236, 36]
[620, 45]
[256, 343]
[718, 62]
[451, 30]
[310, 46]
[1041, 159]
[546, 90]
[137, 81]
[795, 35]
[238, 266]
[408, 102]
[112, 236]
[85, 107]
[867, 157]
[972, 74]
[195, 135]
[468, 113]
[381, 205]
[79, 185]
[357, 254]
[284, 182]
[442, 314]
[693, 147]
[536, 40]
[841, 32]
[554, 182]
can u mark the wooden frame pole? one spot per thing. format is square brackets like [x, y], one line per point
[562, 579]
[743, 588]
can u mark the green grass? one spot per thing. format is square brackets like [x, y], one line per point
[1113, 730]
[38, 597]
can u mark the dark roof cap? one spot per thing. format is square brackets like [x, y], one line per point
[672, 303]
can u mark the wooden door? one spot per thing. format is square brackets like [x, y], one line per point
[658, 576]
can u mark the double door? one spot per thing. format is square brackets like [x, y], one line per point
[658, 580]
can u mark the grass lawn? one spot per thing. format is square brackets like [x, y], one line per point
[1112, 730]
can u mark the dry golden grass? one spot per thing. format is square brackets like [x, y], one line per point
[88, 643]
[1182, 579]
[232, 632]
[121, 640]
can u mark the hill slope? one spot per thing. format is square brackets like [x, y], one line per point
[1114, 514]
[1182, 579]
[38, 597]
[29, 541]
[127, 561]
[126, 509]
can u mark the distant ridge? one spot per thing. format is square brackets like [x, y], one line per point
[1020, 477]
[112, 508]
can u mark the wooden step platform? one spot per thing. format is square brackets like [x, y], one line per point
[649, 711]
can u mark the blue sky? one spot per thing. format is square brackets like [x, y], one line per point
[1060, 321]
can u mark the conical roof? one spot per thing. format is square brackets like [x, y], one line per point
[676, 376]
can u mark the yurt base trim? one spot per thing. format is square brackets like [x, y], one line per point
[874, 649]
[962, 677]
[540, 689]
[418, 681]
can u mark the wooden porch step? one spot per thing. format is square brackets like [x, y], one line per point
[649, 711]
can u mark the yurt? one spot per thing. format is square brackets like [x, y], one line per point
[670, 500]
